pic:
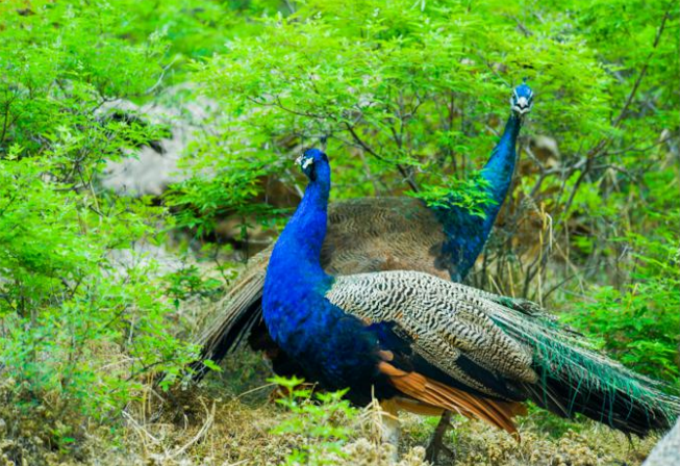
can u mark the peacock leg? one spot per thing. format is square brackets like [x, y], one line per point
[391, 427]
[437, 443]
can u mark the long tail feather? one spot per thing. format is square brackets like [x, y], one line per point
[418, 407]
[574, 378]
[241, 311]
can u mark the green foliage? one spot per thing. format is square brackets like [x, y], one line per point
[200, 203]
[320, 419]
[393, 84]
[84, 320]
[640, 324]
[188, 282]
[409, 98]
[465, 194]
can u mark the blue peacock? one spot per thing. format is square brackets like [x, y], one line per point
[424, 344]
[378, 234]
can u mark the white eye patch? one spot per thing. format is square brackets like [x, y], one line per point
[304, 162]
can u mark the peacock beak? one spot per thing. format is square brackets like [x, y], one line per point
[304, 162]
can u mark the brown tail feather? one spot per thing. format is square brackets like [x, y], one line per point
[436, 394]
[417, 407]
[236, 315]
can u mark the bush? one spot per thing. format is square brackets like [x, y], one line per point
[639, 325]
[320, 419]
[84, 322]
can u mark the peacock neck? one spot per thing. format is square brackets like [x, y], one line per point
[295, 282]
[466, 232]
[299, 246]
[498, 171]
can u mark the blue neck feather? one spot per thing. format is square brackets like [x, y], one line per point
[294, 273]
[498, 171]
[333, 347]
[306, 231]
[467, 233]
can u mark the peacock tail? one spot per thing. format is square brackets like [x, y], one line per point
[536, 357]
[241, 312]
[576, 378]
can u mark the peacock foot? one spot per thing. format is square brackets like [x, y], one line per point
[437, 445]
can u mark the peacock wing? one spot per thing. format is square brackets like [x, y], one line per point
[449, 332]
[378, 234]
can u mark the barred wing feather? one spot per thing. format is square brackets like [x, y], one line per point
[451, 325]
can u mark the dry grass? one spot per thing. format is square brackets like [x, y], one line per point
[209, 426]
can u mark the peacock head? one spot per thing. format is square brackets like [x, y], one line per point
[522, 100]
[313, 163]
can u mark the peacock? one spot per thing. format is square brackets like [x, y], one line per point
[424, 344]
[377, 234]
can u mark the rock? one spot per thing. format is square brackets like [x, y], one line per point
[144, 254]
[545, 149]
[152, 168]
[667, 451]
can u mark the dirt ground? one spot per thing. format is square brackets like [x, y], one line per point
[222, 422]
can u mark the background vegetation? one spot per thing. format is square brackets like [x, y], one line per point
[407, 96]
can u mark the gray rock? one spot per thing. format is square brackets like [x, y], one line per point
[667, 451]
[147, 171]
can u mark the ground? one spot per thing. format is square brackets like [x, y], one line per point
[230, 421]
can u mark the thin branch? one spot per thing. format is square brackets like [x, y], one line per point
[368, 149]
[521, 26]
[160, 77]
[642, 149]
[596, 151]
[643, 71]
